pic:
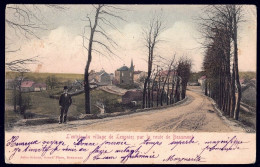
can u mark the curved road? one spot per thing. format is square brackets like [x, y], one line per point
[193, 115]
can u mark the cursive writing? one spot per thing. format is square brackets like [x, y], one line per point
[223, 145]
[173, 157]
[150, 143]
[123, 150]
[175, 143]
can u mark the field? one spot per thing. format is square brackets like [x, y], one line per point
[41, 77]
[44, 107]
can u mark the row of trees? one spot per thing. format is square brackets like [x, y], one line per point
[167, 86]
[219, 26]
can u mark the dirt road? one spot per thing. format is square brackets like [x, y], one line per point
[192, 116]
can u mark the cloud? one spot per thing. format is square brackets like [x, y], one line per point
[59, 52]
[61, 49]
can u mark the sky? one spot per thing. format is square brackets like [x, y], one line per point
[60, 45]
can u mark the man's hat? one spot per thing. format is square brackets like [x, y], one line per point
[65, 87]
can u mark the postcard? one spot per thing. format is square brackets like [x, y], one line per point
[130, 84]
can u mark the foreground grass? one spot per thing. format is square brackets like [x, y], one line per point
[43, 106]
[95, 95]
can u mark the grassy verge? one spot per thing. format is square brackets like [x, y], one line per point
[43, 106]
[248, 119]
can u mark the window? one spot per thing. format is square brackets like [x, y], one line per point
[122, 74]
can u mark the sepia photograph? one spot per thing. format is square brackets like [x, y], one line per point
[147, 74]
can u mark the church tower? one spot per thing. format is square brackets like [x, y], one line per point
[132, 66]
[132, 71]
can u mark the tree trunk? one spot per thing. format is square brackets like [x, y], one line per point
[20, 100]
[86, 74]
[14, 97]
[209, 89]
[171, 99]
[158, 91]
[237, 82]
[184, 86]
[152, 97]
[149, 95]
[87, 94]
[144, 92]
[236, 66]
[233, 93]
[176, 96]
[206, 87]
[167, 93]
[162, 93]
[219, 89]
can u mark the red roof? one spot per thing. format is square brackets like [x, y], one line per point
[165, 72]
[39, 85]
[27, 84]
[203, 77]
[137, 72]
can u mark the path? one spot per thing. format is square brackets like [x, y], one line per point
[197, 114]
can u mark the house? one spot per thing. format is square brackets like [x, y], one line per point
[201, 80]
[104, 79]
[125, 75]
[112, 76]
[163, 75]
[132, 95]
[27, 86]
[38, 87]
[78, 84]
[139, 76]
[254, 79]
[101, 77]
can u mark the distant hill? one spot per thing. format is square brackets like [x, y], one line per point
[41, 77]
[243, 75]
[247, 75]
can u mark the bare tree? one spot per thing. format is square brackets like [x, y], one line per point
[23, 22]
[21, 65]
[52, 81]
[151, 36]
[219, 28]
[17, 93]
[153, 85]
[166, 79]
[95, 25]
[236, 13]
[184, 71]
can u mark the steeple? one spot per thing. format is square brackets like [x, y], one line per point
[132, 66]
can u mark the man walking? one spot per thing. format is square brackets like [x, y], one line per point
[64, 102]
